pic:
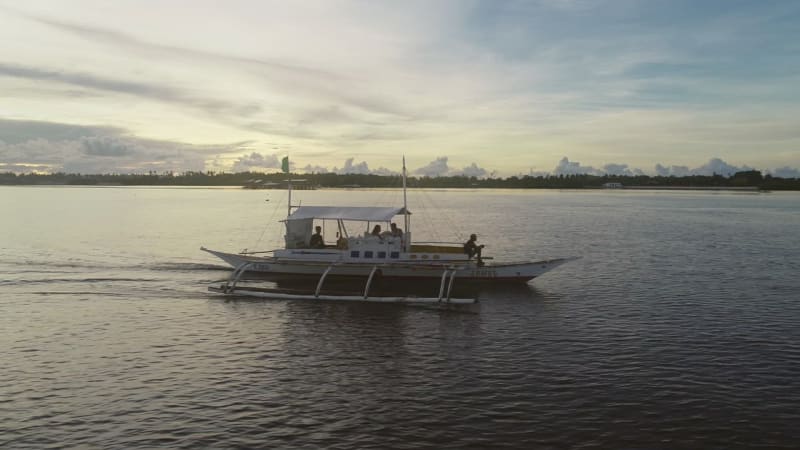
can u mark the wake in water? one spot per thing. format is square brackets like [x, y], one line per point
[27, 265]
[107, 276]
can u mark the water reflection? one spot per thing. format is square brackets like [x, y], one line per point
[678, 328]
[514, 292]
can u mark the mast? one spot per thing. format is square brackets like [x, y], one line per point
[289, 205]
[405, 209]
[285, 169]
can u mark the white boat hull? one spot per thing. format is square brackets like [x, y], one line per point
[465, 270]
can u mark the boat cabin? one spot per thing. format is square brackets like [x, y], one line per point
[349, 223]
[353, 239]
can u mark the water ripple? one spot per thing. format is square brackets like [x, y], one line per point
[677, 329]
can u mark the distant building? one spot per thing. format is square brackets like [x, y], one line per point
[297, 185]
[612, 185]
[254, 183]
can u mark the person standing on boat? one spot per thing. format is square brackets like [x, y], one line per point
[473, 249]
[316, 239]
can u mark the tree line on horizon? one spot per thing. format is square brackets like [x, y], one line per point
[750, 178]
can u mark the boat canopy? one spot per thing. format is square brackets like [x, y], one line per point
[362, 213]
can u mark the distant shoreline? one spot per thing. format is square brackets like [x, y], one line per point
[751, 189]
[693, 188]
[747, 181]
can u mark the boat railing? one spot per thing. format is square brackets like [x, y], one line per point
[436, 247]
[245, 252]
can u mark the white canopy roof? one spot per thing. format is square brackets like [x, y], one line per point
[363, 213]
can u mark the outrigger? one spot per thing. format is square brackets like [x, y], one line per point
[445, 290]
[390, 255]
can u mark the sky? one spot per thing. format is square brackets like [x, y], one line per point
[481, 88]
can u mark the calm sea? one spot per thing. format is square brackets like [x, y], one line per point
[678, 328]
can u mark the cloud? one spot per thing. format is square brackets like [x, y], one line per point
[58, 147]
[535, 173]
[567, 167]
[617, 169]
[384, 172]
[100, 155]
[106, 146]
[314, 169]
[317, 83]
[17, 131]
[473, 171]
[713, 166]
[256, 162]
[478, 72]
[293, 122]
[503, 72]
[31, 146]
[24, 168]
[786, 172]
[436, 168]
[719, 167]
[440, 167]
[361, 168]
[621, 170]
[118, 39]
[675, 171]
[40, 152]
[154, 92]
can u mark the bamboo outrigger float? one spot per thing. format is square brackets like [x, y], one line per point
[388, 255]
[230, 288]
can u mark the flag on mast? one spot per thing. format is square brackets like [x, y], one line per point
[285, 164]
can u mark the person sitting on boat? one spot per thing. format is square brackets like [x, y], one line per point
[316, 239]
[341, 242]
[473, 249]
[376, 231]
[396, 232]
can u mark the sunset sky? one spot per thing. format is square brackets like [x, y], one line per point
[475, 87]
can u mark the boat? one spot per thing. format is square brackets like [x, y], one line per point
[367, 255]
